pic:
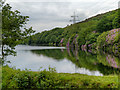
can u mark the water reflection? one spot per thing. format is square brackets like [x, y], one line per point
[104, 62]
[108, 59]
[70, 60]
[96, 61]
[54, 53]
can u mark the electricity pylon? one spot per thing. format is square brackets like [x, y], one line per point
[74, 18]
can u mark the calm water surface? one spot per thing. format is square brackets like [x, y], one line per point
[63, 60]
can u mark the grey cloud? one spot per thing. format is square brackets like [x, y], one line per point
[45, 15]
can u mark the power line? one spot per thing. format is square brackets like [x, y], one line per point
[74, 18]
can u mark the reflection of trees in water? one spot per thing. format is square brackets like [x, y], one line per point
[92, 62]
[108, 59]
[83, 59]
[111, 61]
[53, 53]
[107, 70]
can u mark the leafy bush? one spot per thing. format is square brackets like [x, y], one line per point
[101, 40]
[105, 24]
[50, 79]
[109, 39]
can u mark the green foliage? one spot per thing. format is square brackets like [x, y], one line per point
[81, 38]
[12, 35]
[53, 39]
[92, 38]
[110, 21]
[50, 79]
[56, 54]
[91, 60]
[0, 76]
[28, 79]
[89, 32]
[46, 37]
[116, 21]
[1, 3]
[108, 60]
[101, 40]
[105, 24]
[109, 40]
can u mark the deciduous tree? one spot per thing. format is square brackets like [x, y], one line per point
[13, 31]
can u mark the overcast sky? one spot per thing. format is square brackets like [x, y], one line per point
[48, 14]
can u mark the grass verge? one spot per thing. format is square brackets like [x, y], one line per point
[12, 78]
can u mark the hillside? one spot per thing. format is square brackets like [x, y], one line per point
[82, 34]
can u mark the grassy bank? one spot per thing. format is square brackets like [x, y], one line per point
[13, 78]
[0, 77]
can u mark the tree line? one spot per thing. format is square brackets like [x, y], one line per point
[88, 32]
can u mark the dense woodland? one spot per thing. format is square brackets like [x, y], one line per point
[101, 31]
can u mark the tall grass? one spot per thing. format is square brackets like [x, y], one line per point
[13, 78]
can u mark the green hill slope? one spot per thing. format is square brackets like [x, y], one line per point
[83, 34]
